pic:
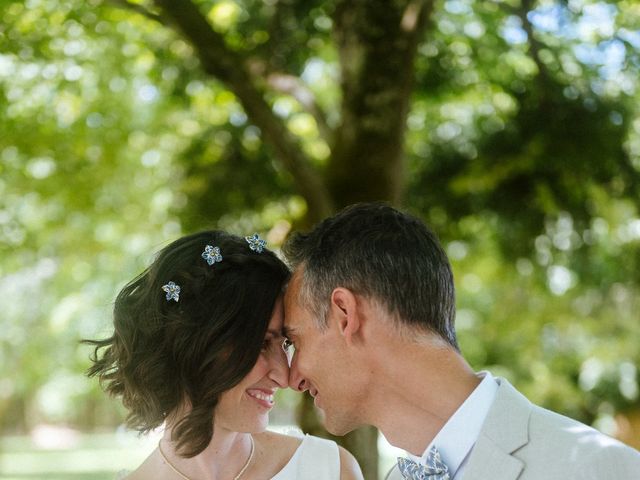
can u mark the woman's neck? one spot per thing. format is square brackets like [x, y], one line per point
[222, 459]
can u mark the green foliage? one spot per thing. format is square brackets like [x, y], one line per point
[568, 344]
[524, 129]
[71, 232]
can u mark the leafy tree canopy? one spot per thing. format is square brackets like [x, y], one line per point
[511, 126]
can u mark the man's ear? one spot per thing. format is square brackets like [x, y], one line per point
[346, 313]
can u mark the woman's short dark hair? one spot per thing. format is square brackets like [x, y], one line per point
[383, 253]
[164, 354]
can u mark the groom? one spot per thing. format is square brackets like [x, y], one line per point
[370, 311]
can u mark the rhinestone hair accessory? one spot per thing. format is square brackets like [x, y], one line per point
[211, 254]
[173, 291]
[255, 243]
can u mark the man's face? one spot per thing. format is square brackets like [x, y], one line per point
[321, 363]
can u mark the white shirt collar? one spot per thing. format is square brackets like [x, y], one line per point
[458, 436]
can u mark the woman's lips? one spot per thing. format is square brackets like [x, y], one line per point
[262, 397]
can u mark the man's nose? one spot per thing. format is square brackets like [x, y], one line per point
[279, 371]
[297, 381]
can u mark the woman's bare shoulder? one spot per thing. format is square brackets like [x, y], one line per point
[150, 468]
[349, 467]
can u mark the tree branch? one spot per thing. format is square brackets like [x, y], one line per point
[292, 85]
[141, 10]
[534, 45]
[230, 68]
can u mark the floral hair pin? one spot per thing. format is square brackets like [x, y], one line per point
[211, 254]
[255, 243]
[173, 291]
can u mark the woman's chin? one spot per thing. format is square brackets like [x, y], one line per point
[262, 424]
[258, 425]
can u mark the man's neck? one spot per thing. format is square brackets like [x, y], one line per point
[418, 388]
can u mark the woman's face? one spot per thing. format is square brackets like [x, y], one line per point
[245, 407]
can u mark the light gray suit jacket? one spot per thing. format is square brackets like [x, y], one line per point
[520, 440]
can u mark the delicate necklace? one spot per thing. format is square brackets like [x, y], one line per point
[237, 477]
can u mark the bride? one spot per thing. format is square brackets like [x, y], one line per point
[198, 346]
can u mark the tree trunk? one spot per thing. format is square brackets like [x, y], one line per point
[377, 41]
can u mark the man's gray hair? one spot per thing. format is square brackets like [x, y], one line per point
[379, 252]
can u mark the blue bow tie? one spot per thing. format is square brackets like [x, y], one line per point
[434, 469]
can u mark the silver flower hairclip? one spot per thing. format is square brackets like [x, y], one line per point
[255, 243]
[211, 254]
[173, 291]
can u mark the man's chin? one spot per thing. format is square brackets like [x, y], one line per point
[336, 426]
[339, 430]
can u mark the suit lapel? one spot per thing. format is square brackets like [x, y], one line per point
[505, 430]
[488, 460]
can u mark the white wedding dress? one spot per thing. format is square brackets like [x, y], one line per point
[314, 459]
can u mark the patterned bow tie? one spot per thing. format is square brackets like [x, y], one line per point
[433, 470]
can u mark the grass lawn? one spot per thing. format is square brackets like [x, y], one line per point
[86, 456]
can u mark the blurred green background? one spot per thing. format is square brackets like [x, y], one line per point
[512, 127]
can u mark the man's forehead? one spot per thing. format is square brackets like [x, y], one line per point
[293, 327]
[295, 312]
[292, 291]
[293, 316]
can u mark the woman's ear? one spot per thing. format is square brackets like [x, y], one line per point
[344, 306]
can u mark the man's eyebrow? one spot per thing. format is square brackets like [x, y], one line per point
[275, 333]
[288, 331]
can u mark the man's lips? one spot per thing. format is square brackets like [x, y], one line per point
[314, 394]
[263, 397]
